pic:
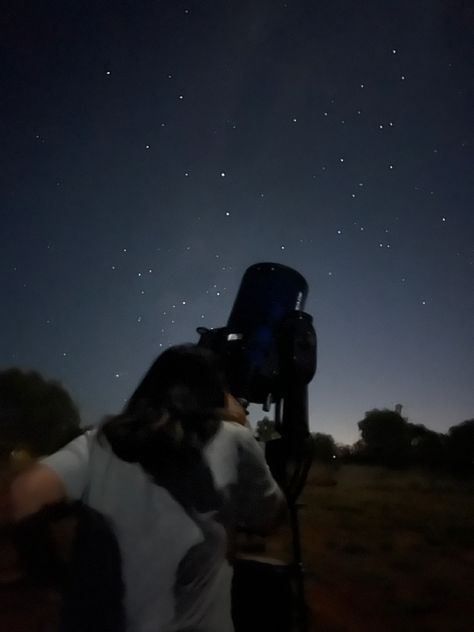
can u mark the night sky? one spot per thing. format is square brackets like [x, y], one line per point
[153, 150]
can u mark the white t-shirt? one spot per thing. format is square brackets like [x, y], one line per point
[159, 541]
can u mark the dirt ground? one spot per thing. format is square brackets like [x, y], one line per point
[385, 550]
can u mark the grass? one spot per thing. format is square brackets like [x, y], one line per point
[386, 550]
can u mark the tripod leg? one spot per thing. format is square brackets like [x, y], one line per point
[301, 607]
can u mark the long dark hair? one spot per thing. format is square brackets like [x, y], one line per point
[168, 420]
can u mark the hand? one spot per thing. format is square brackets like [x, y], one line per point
[233, 411]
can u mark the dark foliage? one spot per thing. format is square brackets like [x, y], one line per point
[427, 448]
[461, 447]
[386, 437]
[35, 414]
[324, 447]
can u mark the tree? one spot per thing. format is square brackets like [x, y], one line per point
[461, 446]
[386, 436]
[427, 447]
[358, 451]
[324, 447]
[36, 415]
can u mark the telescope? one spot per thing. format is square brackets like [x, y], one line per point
[268, 350]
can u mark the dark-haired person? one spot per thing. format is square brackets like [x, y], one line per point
[172, 477]
[60, 568]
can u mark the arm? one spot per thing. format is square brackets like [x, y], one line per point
[62, 475]
[33, 489]
[261, 503]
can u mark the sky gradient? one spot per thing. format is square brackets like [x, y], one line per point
[153, 150]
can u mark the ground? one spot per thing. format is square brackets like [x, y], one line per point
[386, 550]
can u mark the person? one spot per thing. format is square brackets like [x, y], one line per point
[172, 477]
[60, 568]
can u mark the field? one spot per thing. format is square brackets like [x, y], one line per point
[386, 550]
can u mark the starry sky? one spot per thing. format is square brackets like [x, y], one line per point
[153, 150]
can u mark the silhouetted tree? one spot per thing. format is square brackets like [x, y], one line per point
[35, 414]
[386, 436]
[324, 447]
[461, 446]
[427, 447]
[358, 451]
[344, 452]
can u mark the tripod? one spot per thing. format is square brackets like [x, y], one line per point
[268, 349]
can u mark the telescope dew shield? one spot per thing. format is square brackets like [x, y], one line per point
[268, 294]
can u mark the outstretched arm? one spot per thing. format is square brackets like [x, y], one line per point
[33, 489]
[61, 475]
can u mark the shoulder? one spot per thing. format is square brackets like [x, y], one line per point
[241, 436]
[232, 437]
[231, 444]
[234, 431]
[223, 452]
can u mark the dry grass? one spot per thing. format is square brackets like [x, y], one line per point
[387, 550]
